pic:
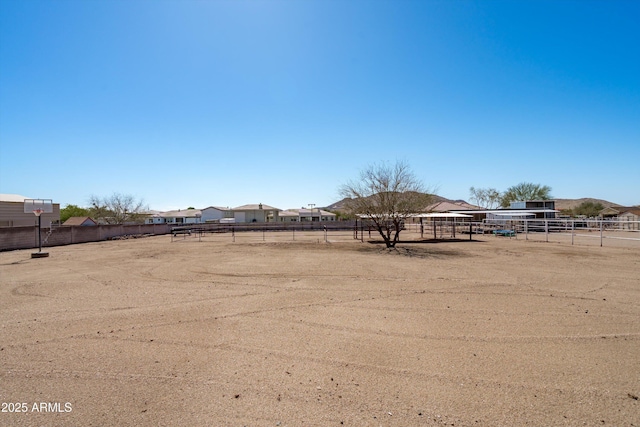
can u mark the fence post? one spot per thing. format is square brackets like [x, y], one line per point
[601, 227]
[546, 230]
[573, 225]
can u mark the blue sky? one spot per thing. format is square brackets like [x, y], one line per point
[200, 103]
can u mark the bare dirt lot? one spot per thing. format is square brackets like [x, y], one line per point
[496, 332]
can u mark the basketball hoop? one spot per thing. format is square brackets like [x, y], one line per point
[38, 207]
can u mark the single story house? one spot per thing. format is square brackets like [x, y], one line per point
[12, 212]
[82, 221]
[255, 213]
[306, 215]
[215, 214]
[182, 216]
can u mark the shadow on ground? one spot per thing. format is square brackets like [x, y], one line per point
[427, 248]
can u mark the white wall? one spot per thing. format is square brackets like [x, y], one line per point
[211, 214]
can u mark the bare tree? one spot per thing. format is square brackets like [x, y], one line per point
[487, 198]
[116, 209]
[386, 195]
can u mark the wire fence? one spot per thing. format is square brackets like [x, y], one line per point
[566, 231]
[600, 232]
[266, 232]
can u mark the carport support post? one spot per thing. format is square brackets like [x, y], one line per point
[435, 233]
[471, 231]
[421, 228]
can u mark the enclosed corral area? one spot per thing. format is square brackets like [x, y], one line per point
[491, 332]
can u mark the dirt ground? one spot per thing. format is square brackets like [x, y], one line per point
[146, 332]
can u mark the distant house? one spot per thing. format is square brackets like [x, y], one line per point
[242, 214]
[544, 206]
[446, 206]
[153, 217]
[306, 215]
[530, 209]
[255, 213]
[182, 216]
[80, 221]
[216, 214]
[628, 216]
[12, 212]
[290, 215]
[617, 211]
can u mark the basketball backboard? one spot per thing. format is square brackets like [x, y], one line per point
[38, 205]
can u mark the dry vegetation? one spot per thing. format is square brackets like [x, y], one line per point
[495, 333]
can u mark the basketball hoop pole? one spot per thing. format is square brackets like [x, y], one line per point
[39, 254]
[39, 232]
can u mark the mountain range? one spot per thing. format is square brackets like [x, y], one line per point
[561, 204]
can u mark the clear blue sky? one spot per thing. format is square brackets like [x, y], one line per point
[199, 103]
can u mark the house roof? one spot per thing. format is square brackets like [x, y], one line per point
[505, 211]
[255, 207]
[220, 208]
[632, 210]
[12, 198]
[79, 220]
[304, 211]
[442, 215]
[182, 213]
[449, 206]
[620, 210]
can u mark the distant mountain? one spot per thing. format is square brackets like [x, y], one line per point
[339, 206]
[562, 204]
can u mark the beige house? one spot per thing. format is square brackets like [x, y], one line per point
[628, 217]
[182, 216]
[306, 215]
[618, 211]
[12, 212]
[256, 213]
[82, 221]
